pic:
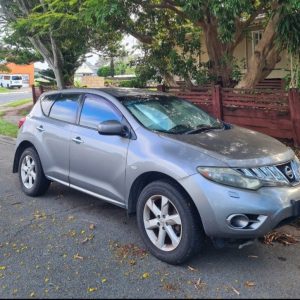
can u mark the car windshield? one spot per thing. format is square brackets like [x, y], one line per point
[16, 78]
[169, 114]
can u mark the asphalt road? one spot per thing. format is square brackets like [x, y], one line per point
[14, 95]
[70, 245]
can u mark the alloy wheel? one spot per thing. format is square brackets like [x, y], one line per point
[162, 223]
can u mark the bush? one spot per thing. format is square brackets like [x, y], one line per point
[132, 83]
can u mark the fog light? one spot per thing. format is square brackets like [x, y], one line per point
[238, 221]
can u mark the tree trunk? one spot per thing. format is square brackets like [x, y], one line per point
[266, 55]
[220, 56]
[59, 77]
[112, 67]
[53, 57]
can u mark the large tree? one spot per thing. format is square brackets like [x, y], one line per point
[54, 31]
[224, 25]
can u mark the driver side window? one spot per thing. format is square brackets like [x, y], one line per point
[96, 110]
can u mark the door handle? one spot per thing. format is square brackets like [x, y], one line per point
[77, 140]
[40, 128]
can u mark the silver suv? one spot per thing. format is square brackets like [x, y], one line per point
[185, 174]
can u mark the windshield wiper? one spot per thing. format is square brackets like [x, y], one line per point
[202, 128]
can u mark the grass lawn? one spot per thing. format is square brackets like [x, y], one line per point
[8, 129]
[18, 102]
[4, 90]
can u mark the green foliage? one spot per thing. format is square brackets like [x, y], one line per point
[132, 83]
[78, 84]
[4, 68]
[289, 38]
[156, 23]
[104, 72]
[8, 129]
[18, 102]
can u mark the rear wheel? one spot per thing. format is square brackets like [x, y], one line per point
[31, 174]
[168, 223]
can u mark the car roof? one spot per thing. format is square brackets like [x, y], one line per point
[115, 92]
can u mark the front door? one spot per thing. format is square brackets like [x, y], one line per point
[98, 162]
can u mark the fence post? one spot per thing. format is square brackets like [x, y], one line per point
[161, 88]
[33, 94]
[294, 105]
[217, 102]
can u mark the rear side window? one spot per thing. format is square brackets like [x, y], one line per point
[96, 110]
[65, 108]
[47, 103]
[16, 78]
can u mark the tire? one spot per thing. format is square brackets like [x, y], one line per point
[189, 236]
[38, 184]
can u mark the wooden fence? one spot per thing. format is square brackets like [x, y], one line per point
[276, 113]
[273, 112]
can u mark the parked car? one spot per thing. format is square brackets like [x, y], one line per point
[186, 175]
[11, 80]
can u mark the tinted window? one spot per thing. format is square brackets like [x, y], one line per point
[16, 78]
[96, 110]
[6, 77]
[47, 102]
[65, 108]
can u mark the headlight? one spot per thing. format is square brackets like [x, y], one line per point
[229, 177]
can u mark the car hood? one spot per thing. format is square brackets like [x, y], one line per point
[237, 146]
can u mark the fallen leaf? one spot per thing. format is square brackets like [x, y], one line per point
[77, 256]
[70, 218]
[145, 275]
[252, 256]
[250, 284]
[235, 290]
[192, 269]
[92, 289]
[92, 226]
[2, 268]
[32, 294]
[199, 284]
[88, 238]
[169, 287]
[280, 237]
[103, 280]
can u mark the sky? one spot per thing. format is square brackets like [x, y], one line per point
[129, 42]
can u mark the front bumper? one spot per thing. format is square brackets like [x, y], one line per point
[274, 206]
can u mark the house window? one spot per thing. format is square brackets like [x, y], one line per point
[256, 37]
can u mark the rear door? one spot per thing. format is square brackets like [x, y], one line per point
[61, 113]
[98, 162]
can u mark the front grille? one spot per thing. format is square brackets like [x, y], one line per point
[288, 173]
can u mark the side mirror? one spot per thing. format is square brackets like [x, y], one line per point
[113, 127]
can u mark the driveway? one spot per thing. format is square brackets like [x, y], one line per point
[70, 245]
[14, 95]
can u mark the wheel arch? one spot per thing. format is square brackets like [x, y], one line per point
[146, 178]
[22, 146]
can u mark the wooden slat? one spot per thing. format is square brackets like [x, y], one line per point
[278, 133]
[260, 122]
[256, 113]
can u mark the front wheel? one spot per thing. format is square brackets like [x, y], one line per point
[31, 174]
[168, 223]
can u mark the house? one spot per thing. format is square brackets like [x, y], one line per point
[27, 72]
[245, 49]
[86, 69]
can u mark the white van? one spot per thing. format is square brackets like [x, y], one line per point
[11, 80]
